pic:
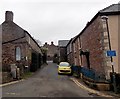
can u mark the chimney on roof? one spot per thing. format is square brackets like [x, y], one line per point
[52, 43]
[9, 16]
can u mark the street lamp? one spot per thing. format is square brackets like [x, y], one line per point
[113, 75]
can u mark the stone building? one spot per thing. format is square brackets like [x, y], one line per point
[51, 50]
[62, 50]
[89, 48]
[19, 49]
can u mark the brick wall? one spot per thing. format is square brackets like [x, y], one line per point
[0, 48]
[70, 53]
[91, 40]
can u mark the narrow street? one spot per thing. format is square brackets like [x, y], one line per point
[45, 83]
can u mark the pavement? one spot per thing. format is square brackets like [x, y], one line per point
[14, 82]
[10, 83]
[82, 85]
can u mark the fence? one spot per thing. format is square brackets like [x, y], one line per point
[86, 72]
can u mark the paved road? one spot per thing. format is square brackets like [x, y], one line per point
[45, 83]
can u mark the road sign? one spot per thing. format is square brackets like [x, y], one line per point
[111, 53]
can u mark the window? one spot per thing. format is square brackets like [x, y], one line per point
[74, 47]
[18, 54]
[70, 47]
[64, 64]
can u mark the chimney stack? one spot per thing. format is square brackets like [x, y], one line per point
[52, 43]
[45, 43]
[9, 16]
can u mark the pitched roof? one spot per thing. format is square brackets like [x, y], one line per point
[62, 43]
[111, 9]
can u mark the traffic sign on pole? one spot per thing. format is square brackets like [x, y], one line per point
[111, 53]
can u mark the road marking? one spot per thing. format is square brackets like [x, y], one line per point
[88, 89]
[12, 93]
[43, 96]
[6, 84]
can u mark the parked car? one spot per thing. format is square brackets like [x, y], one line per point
[64, 68]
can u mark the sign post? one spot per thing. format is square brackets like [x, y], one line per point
[112, 53]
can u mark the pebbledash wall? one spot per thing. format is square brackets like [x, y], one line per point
[94, 39]
[18, 48]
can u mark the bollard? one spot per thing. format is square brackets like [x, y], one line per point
[114, 83]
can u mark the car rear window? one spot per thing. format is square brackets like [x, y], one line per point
[64, 64]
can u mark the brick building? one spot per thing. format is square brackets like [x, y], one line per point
[90, 46]
[51, 50]
[19, 49]
[70, 52]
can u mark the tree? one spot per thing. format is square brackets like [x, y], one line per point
[44, 52]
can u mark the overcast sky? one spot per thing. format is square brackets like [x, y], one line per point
[53, 20]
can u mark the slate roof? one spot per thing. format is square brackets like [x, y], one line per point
[112, 8]
[63, 43]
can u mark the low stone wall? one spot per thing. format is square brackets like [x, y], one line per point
[101, 86]
[6, 77]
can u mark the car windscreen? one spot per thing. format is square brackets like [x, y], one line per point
[64, 64]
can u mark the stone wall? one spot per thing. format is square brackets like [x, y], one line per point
[14, 36]
[6, 77]
[51, 50]
[63, 54]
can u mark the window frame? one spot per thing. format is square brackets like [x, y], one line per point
[18, 53]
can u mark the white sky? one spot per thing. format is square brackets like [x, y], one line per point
[53, 20]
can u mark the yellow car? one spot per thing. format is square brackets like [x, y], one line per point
[64, 68]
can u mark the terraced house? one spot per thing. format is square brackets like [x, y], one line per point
[90, 46]
[19, 49]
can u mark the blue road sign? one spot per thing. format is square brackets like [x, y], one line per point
[111, 53]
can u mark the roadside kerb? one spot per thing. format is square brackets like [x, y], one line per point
[10, 83]
[88, 89]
